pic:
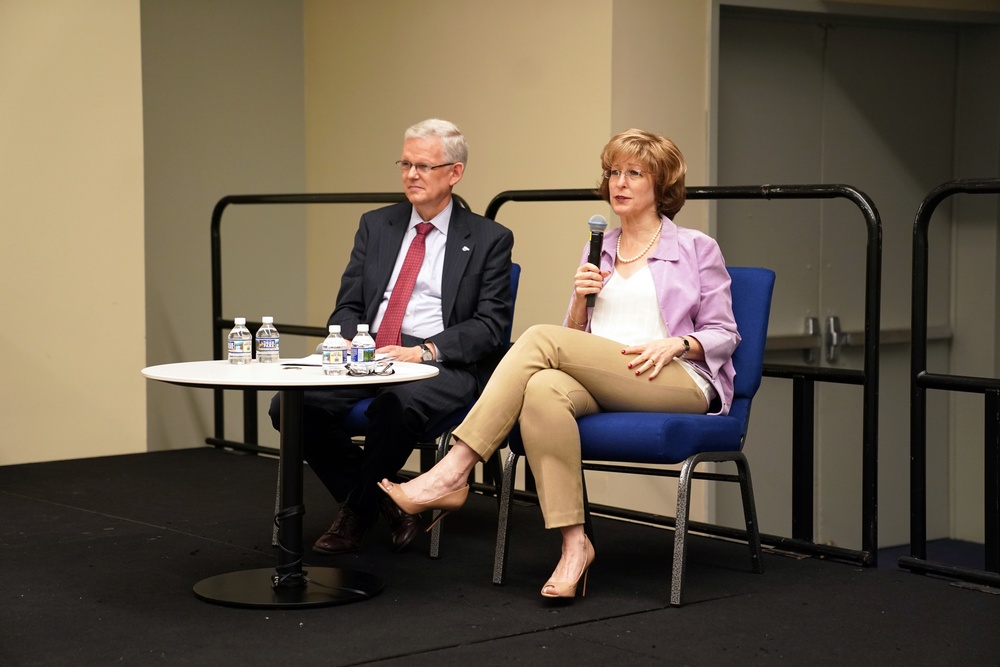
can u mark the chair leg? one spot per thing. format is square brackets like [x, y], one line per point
[506, 501]
[680, 529]
[684, 509]
[749, 512]
[492, 473]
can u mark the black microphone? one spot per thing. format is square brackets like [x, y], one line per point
[597, 225]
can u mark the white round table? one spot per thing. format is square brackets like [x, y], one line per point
[288, 585]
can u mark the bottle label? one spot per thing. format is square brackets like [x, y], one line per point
[267, 344]
[362, 354]
[335, 357]
[240, 347]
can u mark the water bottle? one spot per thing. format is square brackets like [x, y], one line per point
[240, 343]
[334, 352]
[268, 341]
[363, 349]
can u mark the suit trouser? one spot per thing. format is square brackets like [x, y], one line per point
[398, 416]
[551, 377]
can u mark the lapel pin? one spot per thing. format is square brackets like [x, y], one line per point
[465, 248]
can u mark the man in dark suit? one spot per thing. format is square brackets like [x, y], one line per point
[455, 318]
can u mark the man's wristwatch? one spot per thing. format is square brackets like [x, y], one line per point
[426, 354]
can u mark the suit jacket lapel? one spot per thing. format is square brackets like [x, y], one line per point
[458, 251]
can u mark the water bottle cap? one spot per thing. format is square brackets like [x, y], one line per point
[334, 328]
[267, 319]
[362, 327]
[240, 320]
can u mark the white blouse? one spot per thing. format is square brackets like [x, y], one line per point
[626, 310]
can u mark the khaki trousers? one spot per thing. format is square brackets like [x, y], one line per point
[549, 378]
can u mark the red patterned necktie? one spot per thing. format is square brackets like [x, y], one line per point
[392, 320]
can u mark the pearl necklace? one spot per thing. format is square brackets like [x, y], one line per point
[618, 247]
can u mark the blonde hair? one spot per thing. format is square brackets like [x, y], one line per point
[657, 154]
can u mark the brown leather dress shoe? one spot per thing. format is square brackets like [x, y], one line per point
[405, 527]
[345, 535]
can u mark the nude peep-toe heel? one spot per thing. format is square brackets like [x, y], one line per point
[567, 589]
[447, 503]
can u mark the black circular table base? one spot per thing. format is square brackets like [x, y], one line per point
[324, 586]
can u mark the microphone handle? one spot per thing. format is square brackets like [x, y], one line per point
[596, 241]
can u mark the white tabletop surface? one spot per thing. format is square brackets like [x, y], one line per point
[286, 373]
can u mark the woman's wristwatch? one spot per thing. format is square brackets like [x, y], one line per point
[687, 347]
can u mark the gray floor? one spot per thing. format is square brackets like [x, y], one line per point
[100, 556]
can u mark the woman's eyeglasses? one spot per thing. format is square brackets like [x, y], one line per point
[630, 174]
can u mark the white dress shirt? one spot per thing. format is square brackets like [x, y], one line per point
[423, 316]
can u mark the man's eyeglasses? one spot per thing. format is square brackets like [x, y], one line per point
[376, 368]
[406, 165]
[630, 174]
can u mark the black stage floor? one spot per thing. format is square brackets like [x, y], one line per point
[99, 557]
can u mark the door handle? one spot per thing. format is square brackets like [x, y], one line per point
[811, 329]
[835, 338]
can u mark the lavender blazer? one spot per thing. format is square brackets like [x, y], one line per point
[692, 288]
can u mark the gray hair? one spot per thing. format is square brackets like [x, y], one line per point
[452, 142]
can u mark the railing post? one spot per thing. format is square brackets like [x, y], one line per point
[920, 381]
[991, 456]
[803, 457]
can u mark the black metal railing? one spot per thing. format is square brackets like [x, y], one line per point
[804, 378]
[920, 381]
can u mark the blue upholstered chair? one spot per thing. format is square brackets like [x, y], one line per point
[664, 438]
[438, 439]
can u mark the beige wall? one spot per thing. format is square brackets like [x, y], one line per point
[71, 201]
[223, 107]
[538, 88]
[531, 96]
[123, 124]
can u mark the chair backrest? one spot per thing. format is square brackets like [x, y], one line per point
[751, 289]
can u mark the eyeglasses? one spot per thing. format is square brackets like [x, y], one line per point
[376, 368]
[630, 174]
[406, 165]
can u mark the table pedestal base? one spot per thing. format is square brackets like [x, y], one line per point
[325, 586]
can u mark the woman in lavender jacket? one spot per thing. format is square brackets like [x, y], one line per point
[659, 338]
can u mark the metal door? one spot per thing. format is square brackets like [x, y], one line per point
[807, 100]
